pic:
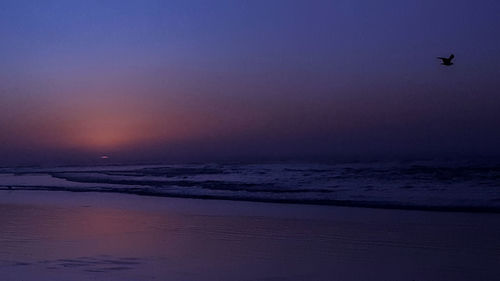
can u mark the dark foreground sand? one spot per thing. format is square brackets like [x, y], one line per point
[97, 236]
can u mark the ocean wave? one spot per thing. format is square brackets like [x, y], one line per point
[433, 186]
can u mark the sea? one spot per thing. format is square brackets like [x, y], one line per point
[465, 186]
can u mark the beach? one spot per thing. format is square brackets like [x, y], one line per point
[286, 140]
[61, 235]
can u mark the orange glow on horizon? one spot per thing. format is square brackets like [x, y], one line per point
[121, 124]
[111, 132]
[108, 125]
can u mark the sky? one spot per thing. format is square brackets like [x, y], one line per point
[192, 81]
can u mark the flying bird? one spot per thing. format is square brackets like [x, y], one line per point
[447, 61]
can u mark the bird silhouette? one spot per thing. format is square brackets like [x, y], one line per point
[447, 61]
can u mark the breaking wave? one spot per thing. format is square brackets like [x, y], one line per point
[417, 185]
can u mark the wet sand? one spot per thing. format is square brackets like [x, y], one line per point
[98, 236]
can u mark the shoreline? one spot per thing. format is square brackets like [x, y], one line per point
[313, 202]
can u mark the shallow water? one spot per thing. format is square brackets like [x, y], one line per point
[96, 236]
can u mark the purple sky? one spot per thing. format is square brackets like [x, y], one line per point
[247, 80]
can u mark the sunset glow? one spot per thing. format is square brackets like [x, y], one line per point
[194, 84]
[232, 140]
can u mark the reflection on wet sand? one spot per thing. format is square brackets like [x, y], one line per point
[102, 263]
[90, 236]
